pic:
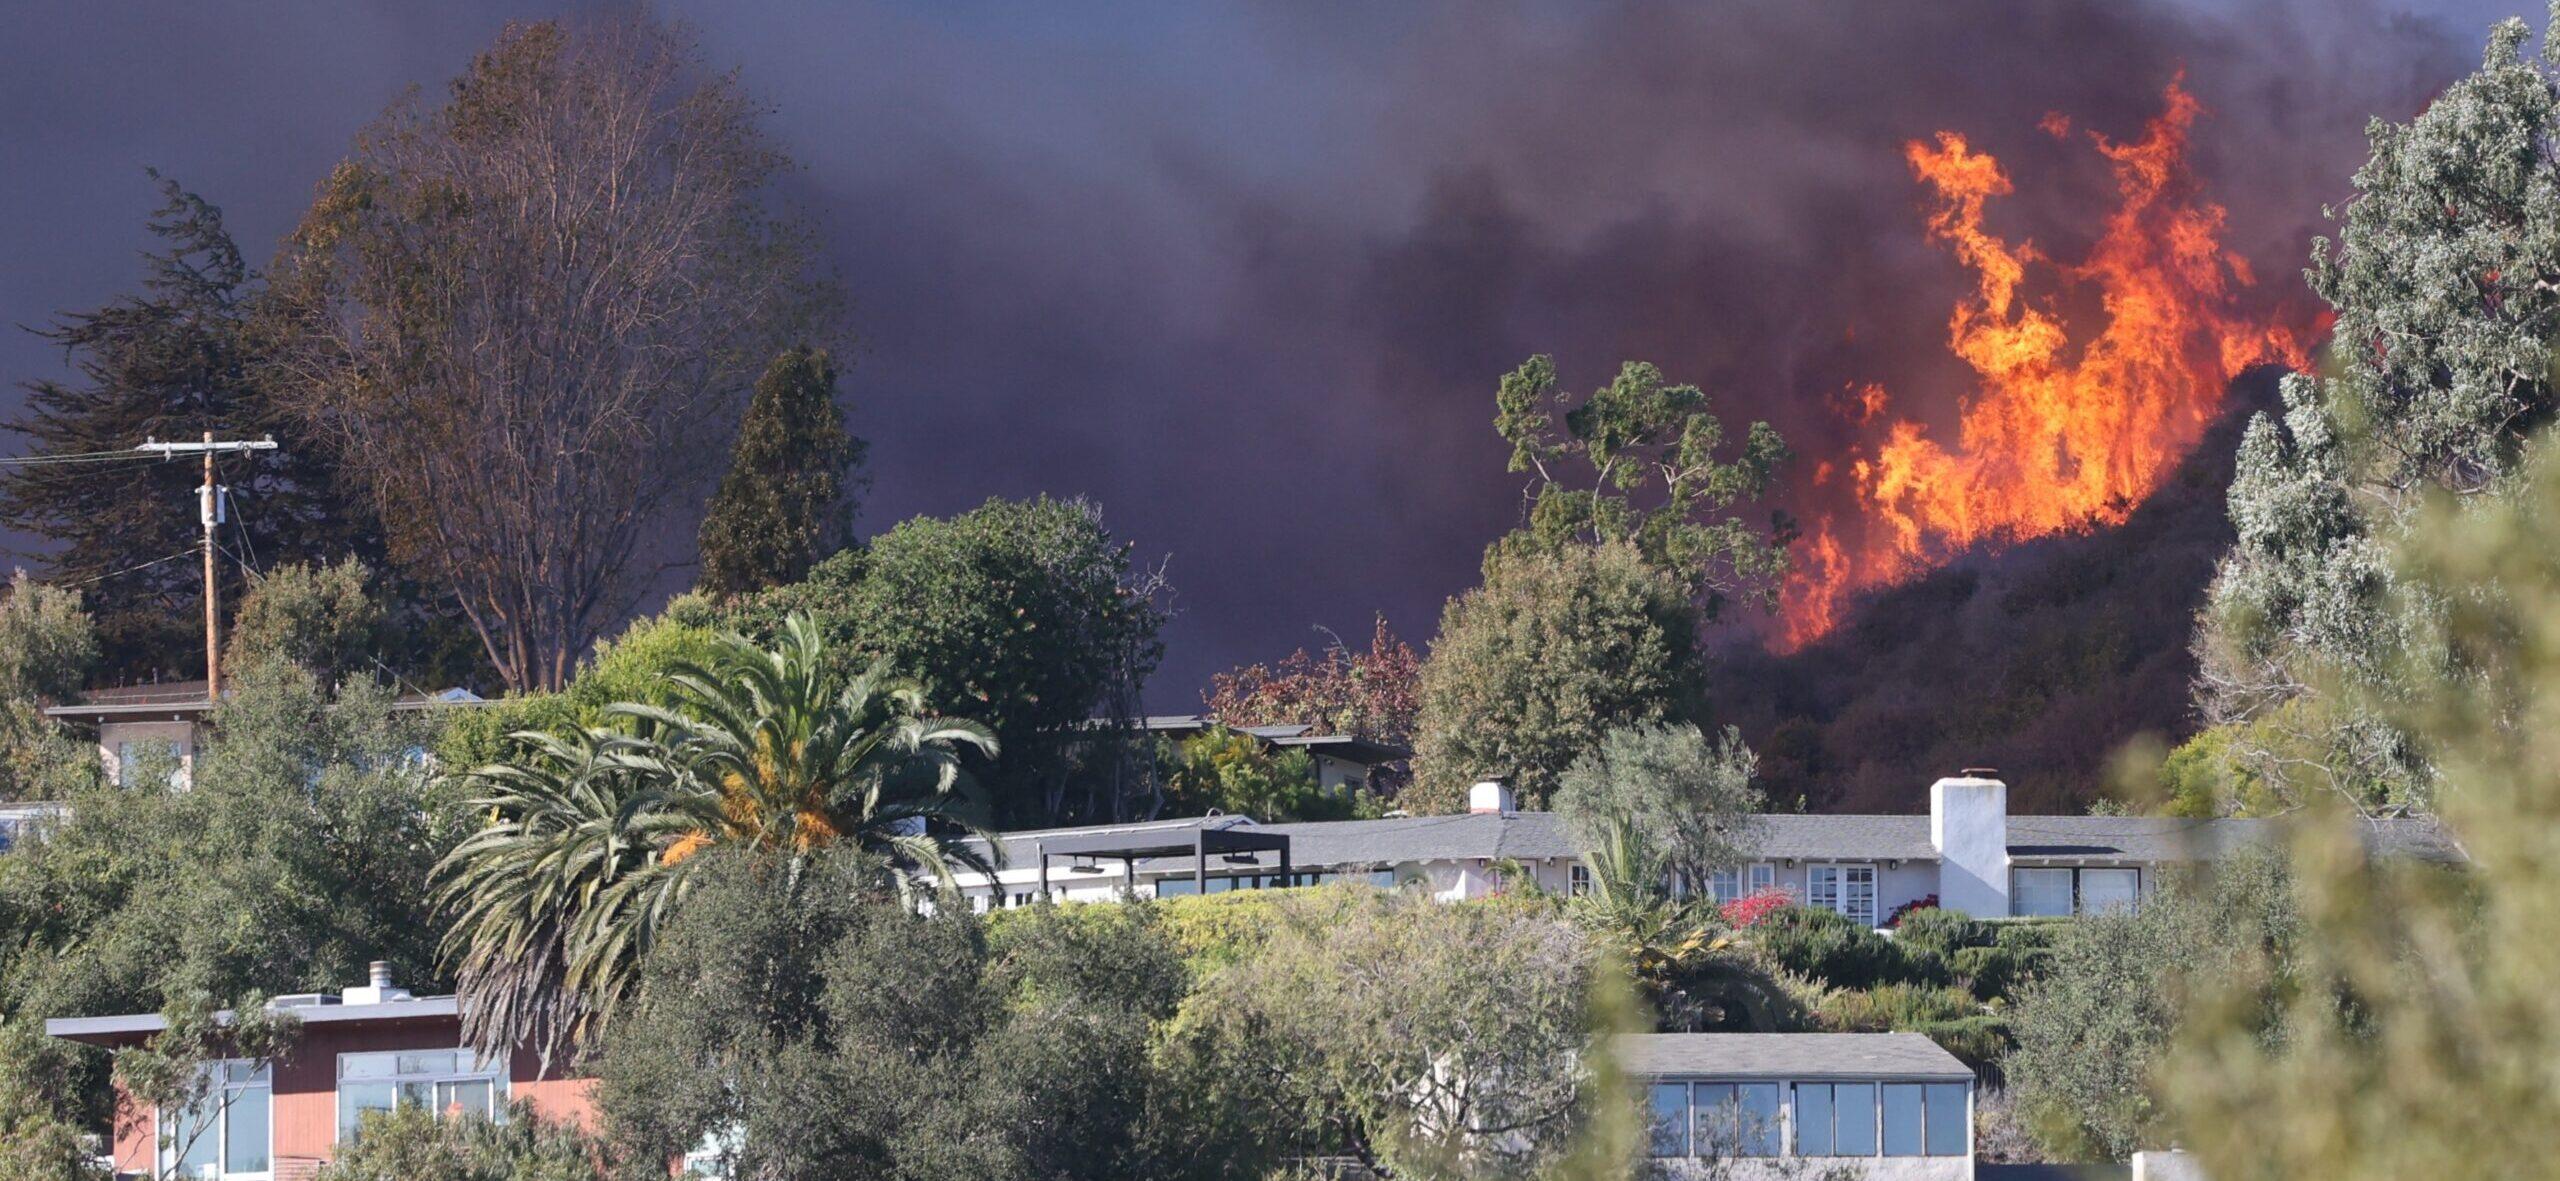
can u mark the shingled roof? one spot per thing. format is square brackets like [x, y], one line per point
[1891, 1057]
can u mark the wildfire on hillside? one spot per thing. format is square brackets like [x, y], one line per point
[2055, 436]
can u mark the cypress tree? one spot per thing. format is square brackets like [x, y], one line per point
[788, 496]
[171, 361]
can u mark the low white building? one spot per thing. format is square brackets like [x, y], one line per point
[1754, 1105]
[1968, 853]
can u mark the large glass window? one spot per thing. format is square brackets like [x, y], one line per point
[1904, 1123]
[1762, 1125]
[2040, 893]
[447, 1082]
[1813, 1119]
[226, 1134]
[1671, 1119]
[1948, 1120]
[1853, 1119]
[1848, 889]
[2103, 890]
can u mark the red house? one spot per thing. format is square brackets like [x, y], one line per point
[366, 1049]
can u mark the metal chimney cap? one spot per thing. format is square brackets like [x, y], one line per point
[378, 973]
[1980, 772]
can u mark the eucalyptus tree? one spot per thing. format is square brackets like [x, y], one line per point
[2445, 276]
[593, 834]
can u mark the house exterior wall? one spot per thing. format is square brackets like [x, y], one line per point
[113, 736]
[1801, 1168]
[304, 1093]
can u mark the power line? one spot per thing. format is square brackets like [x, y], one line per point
[184, 553]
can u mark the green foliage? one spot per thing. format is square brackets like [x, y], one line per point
[1236, 774]
[2408, 1026]
[1940, 931]
[1691, 799]
[413, 1143]
[1022, 615]
[2093, 1024]
[788, 494]
[321, 618]
[633, 667]
[2441, 367]
[43, 1105]
[1993, 973]
[1533, 668]
[2202, 778]
[1482, 1023]
[171, 361]
[182, 1067]
[585, 855]
[935, 1048]
[1832, 950]
[47, 649]
[299, 854]
[1889, 1007]
[1657, 478]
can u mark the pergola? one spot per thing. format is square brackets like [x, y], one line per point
[1129, 848]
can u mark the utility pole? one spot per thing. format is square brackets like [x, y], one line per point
[212, 505]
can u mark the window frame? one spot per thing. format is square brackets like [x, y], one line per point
[494, 1072]
[1875, 885]
[165, 1155]
[1577, 880]
[2079, 897]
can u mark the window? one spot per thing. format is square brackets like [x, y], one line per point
[1847, 889]
[2103, 890]
[1813, 1119]
[1904, 1121]
[225, 1135]
[1578, 880]
[1670, 1107]
[1763, 877]
[1725, 884]
[2055, 893]
[1948, 1120]
[979, 902]
[1853, 1119]
[1022, 899]
[1741, 881]
[135, 755]
[443, 1081]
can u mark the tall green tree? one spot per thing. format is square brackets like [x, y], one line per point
[1533, 668]
[48, 648]
[1024, 615]
[522, 320]
[592, 836]
[1648, 463]
[788, 497]
[169, 362]
[2439, 367]
[1688, 796]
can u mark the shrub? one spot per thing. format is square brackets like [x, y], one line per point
[1992, 972]
[1889, 1007]
[1942, 931]
[1749, 910]
[414, 1144]
[1840, 953]
[1979, 1040]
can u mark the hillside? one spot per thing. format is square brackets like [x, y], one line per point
[2041, 660]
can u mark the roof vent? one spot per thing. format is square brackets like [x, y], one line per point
[378, 988]
[1491, 796]
[1980, 772]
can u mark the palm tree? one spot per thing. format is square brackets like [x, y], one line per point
[1695, 973]
[591, 836]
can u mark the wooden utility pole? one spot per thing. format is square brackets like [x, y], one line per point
[211, 506]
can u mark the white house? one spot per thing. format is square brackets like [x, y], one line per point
[1968, 852]
[1749, 1105]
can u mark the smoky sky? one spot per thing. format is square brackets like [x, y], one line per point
[1246, 275]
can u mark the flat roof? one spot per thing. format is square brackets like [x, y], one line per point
[1900, 1057]
[131, 1026]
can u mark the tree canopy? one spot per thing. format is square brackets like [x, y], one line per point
[788, 497]
[1552, 652]
[521, 318]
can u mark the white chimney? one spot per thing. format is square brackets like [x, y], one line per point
[1491, 795]
[1969, 825]
[377, 989]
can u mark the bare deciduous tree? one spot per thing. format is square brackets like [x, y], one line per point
[525, 318]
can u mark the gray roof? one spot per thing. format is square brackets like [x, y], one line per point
[130, 1025]
[1904, 1056]
[1531, 836]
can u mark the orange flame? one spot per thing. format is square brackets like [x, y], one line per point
[2052, 439]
